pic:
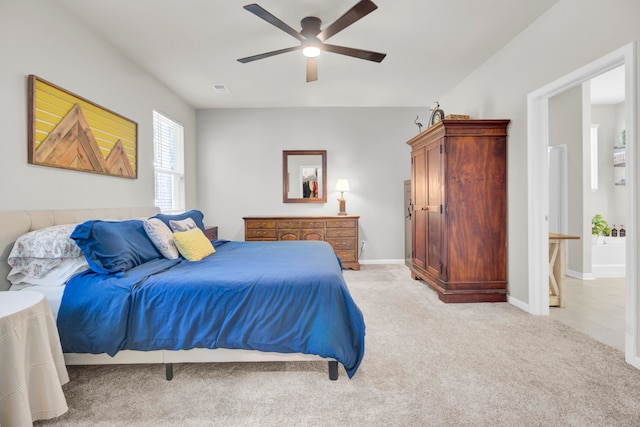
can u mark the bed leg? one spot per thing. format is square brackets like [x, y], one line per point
[169, 371]
[333, 370]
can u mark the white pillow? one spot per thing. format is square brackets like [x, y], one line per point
[57, 276]
[162, 237]
[182, 225]
[38, 251]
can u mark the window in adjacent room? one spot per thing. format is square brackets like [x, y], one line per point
[594, 157]
[168, 163]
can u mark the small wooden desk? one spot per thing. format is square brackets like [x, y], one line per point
[557, 267]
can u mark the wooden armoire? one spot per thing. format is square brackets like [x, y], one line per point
[459, 208]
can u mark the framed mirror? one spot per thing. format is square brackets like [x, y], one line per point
[304, 176]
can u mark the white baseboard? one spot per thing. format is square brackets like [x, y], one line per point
[600, 272]
[521, 305]
[581, 276]
[381, 261]
[610, 270]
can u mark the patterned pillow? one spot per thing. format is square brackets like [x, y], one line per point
[182, 224]
[193, 244]
[38, 251]
[162, 237]
[195, 215]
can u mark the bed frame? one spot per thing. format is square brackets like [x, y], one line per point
[17, 223]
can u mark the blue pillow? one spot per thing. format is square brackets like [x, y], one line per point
[197, 216]
[114, 246]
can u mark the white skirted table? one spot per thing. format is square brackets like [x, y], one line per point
[32, 368]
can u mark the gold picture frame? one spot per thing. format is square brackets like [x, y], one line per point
[70, 132]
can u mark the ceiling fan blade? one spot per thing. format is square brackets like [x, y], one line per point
[312, 69]
[360, 10]
[260, 12]
[356, 53]
[268, 54]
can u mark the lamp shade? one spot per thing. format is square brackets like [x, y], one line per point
[342, 185]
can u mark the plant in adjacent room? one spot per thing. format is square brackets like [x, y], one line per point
[599, 226]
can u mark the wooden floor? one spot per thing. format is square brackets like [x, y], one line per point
[595, 308]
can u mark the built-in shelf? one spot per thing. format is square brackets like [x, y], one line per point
[619, 156]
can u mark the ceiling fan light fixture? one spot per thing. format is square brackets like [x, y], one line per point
[313, 38]
[311, 51]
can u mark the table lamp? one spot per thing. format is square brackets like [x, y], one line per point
[342, 185]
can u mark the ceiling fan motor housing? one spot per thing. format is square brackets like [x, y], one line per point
[310, 27]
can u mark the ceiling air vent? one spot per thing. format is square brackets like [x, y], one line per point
[221, 89]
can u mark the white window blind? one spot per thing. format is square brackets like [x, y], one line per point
[168, 163]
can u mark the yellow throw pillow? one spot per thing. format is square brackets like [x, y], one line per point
[193, 244]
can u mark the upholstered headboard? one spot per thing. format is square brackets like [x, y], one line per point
[13, 224]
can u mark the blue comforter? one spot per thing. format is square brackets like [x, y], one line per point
[287, 297]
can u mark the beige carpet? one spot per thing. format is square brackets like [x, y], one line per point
[426, 364]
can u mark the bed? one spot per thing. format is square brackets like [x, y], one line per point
[248, 301]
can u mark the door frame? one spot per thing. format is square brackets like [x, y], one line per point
[538, 183]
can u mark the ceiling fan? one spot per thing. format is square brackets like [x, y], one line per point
[312, 38]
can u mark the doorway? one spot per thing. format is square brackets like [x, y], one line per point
[538, 195]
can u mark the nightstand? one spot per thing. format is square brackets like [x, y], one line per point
[211, 232]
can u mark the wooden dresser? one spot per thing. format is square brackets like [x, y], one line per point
[340, 231]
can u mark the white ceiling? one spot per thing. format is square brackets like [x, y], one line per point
[190, 45]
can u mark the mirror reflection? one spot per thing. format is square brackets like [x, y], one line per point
[304, 176]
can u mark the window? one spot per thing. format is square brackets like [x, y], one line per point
[594, 157]
[168, 163]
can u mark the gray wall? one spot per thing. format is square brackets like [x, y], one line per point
[240, 167]
[570, 35]
[39, 37]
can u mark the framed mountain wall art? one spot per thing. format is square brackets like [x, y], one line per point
[70, 132]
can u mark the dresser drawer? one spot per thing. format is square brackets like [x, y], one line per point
[254, 223]
[293, 234]
[298, 224]
[289, 234]
[342, 244]
[347, 256]
[317, 234]
[341, 223]
[341, 232]
[261, 234]
[289, 224]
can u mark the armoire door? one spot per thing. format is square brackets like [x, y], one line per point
[434, 205]
[419, 208]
